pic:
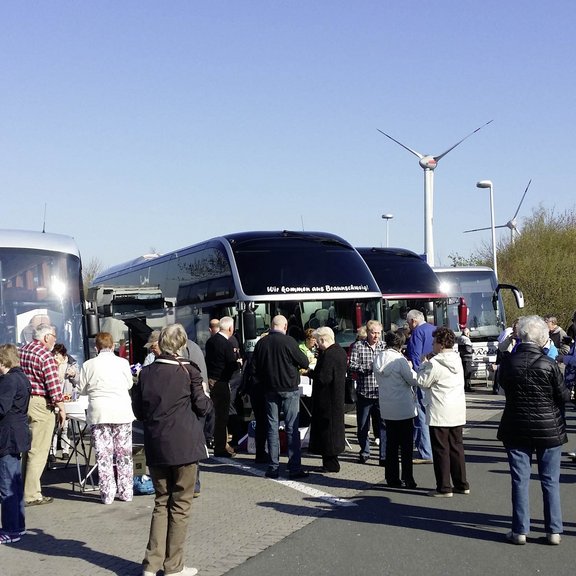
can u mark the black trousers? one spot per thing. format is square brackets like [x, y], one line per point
[399, 437]
[448, 456]
[220, 394]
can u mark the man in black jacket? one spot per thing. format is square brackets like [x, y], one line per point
[277, 363]
[221, 363]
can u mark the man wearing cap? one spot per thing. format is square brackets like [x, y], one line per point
[152, 346]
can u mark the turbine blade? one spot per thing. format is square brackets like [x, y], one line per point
[489, 228]
[400, 143]
[522, 200]
[460, 142]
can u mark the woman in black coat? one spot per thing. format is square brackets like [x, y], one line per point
[532, 422]
[171, 401]
[327, 435]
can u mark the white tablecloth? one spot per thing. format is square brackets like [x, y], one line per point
[77, 408]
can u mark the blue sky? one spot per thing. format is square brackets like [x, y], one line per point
[154, 125]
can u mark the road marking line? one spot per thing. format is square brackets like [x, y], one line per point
[299, 486]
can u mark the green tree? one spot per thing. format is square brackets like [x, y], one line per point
[541, 262]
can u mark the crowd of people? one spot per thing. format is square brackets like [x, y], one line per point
[409, 384]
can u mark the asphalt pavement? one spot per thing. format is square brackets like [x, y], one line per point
[346, 523]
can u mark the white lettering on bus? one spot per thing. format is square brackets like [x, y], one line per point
[325, 288]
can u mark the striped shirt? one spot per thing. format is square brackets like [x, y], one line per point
[42, 371]
[361, 360]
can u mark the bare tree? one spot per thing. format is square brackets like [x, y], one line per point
[89, 272]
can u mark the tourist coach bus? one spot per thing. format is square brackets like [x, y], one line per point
[406, 282]
[313, 278]
[486, 317]
[41, 282]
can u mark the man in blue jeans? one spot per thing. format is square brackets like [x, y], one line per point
[419, 344]
[277, 362]
[367, 404]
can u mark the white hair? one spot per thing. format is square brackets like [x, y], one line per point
[533, 329]
[226, 322]
[41, 331]
[324, 335]
[415, 315]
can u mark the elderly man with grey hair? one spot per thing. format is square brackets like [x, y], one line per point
[221, 364]
[327, 431]
[533, 422]
[46, 398]
[419, 345]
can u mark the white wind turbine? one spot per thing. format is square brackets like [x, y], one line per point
[512, 223]
[429, 163]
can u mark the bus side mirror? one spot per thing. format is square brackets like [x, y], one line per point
[92, 324]
[518, 296]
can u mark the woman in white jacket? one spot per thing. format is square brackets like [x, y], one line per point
[395, 381]
[442, 378]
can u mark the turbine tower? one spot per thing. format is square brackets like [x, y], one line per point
[512, 223]
[429, 163]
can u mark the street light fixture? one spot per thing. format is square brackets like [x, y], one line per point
[488, 184]
[387, 217]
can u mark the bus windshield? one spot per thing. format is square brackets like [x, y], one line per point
[478, 287]
[41, 286]
[407, 282]
[299, 266]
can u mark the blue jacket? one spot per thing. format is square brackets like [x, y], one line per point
[420, 342]
[14, 399]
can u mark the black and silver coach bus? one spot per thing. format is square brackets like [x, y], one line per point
[313, 278]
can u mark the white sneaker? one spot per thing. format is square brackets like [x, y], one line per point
[519, 539]
[186, 571]
[436, 494]
[553, 539]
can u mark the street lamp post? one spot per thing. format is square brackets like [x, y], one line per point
[387, 217]
[488, 184]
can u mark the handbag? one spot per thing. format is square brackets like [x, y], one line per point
[143, 485]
